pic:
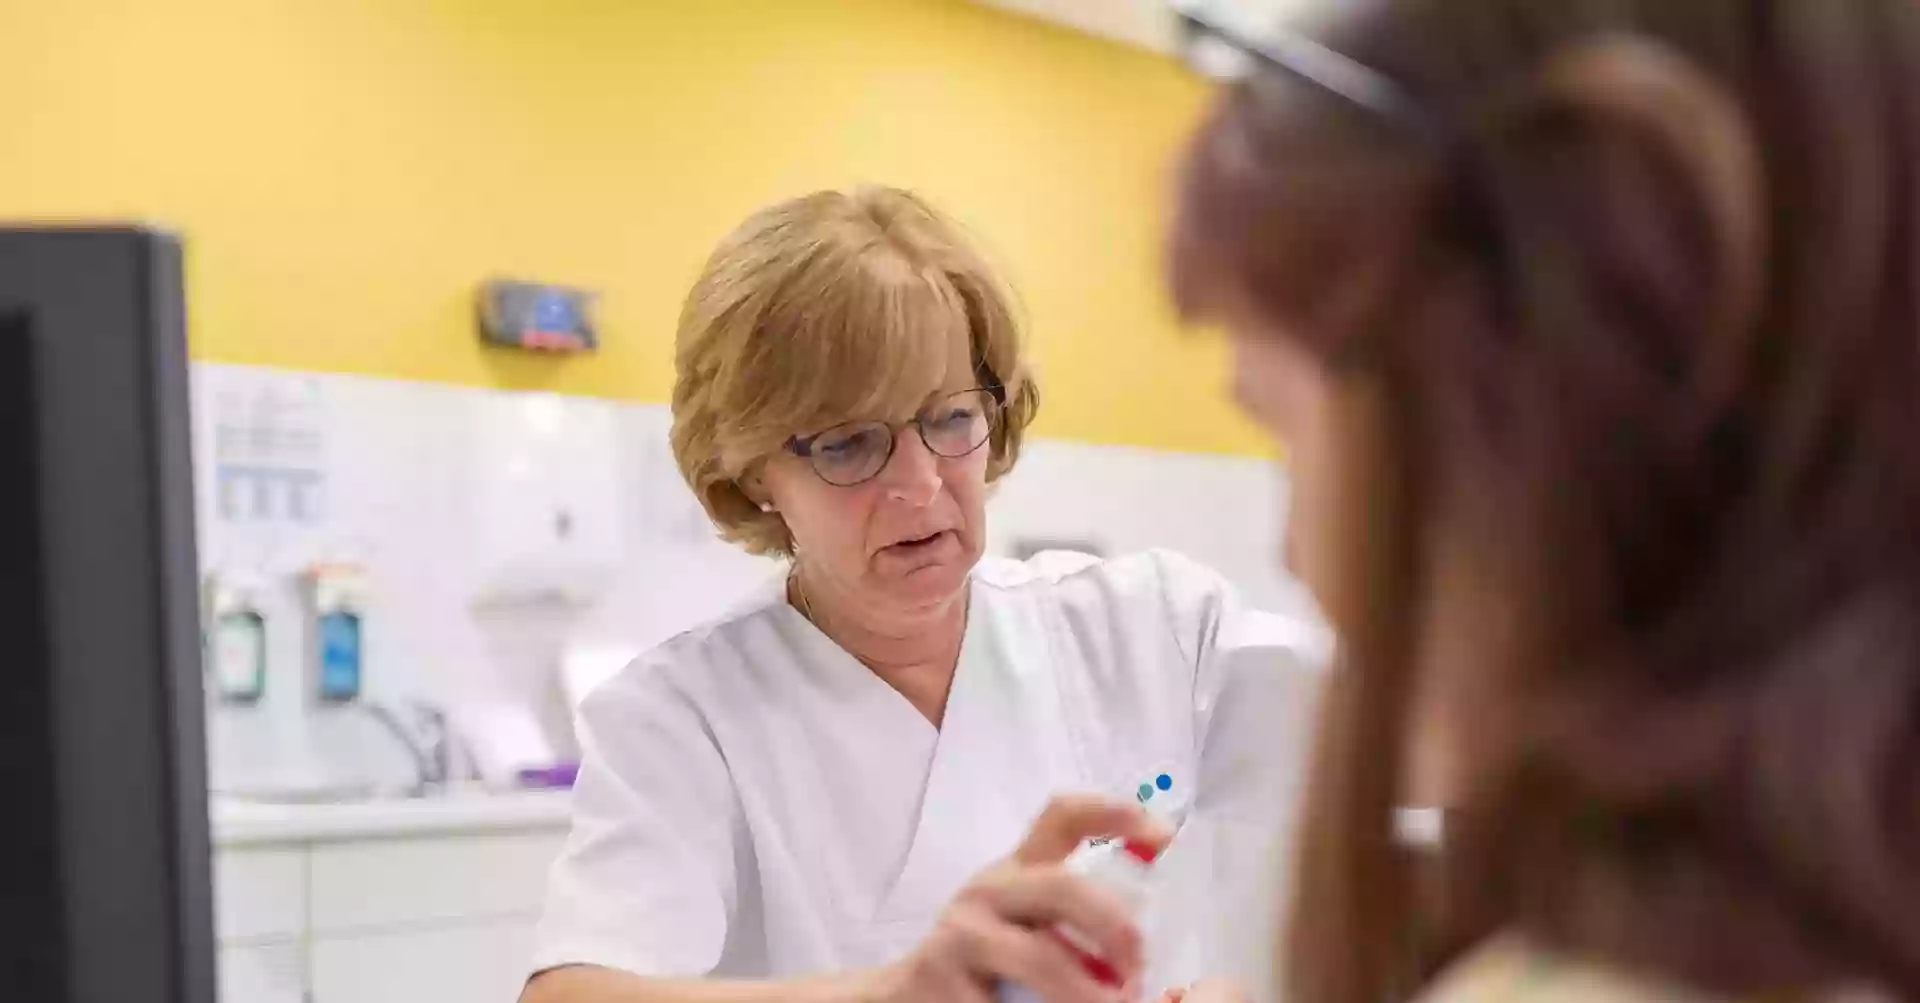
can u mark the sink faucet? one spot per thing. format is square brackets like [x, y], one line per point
[428, 740]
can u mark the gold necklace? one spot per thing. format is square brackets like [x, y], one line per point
[800, 597]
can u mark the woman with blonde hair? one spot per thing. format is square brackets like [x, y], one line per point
[860, 783]
[1593, 330]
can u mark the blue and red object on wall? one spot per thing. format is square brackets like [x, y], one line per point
[537, 316]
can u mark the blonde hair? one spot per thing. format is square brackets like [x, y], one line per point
[822, 309]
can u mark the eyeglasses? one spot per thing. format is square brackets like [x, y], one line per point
[856, 452]
[1217, 49]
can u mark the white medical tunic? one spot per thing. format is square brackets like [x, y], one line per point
[754, 802]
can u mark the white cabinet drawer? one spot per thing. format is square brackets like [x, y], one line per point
[265, 973]
[483, 963]
[260, 893]
[371, 884]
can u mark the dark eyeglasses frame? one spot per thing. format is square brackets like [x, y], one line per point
[1304, 59]
[802, 446]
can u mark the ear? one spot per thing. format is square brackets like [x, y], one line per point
[754, 486]
[1689, 118]
[1623, 100]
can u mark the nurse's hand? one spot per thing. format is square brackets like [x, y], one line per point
[995, 929]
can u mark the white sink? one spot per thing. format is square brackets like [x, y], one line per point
[332, 793]
[361, 812]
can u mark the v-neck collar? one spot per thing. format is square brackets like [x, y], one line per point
[1003, 750]
[1003, 746]
[844, 668]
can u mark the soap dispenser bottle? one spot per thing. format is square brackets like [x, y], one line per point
[337, 603]
[235, 637]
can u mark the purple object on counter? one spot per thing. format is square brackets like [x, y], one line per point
[555, 777]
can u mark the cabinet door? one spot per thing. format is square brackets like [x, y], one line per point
[260, 894]
[483, 962]
[262, 973]
[375, 885]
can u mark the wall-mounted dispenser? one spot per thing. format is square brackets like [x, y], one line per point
[235, 634]
[337, 608]
[546, 494]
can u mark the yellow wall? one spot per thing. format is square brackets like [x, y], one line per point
[347, 170]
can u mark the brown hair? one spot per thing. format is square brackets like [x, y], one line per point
[822, 309]
[1641, 324]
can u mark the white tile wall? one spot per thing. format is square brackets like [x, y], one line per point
[400, 465]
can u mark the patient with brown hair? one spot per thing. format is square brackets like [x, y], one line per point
[1592, 330]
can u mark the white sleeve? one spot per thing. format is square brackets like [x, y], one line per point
[647, 882]
[1257, 679]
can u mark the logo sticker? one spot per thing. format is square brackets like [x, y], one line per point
[1158, 785]
[1163, 782]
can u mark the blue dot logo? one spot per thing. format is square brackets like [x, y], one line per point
[1164, 782]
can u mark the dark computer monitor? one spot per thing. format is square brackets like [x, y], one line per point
[104, 861]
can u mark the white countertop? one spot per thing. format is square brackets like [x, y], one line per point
[241, 822]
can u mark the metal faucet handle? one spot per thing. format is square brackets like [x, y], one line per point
[424, 733]
[443, 745]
